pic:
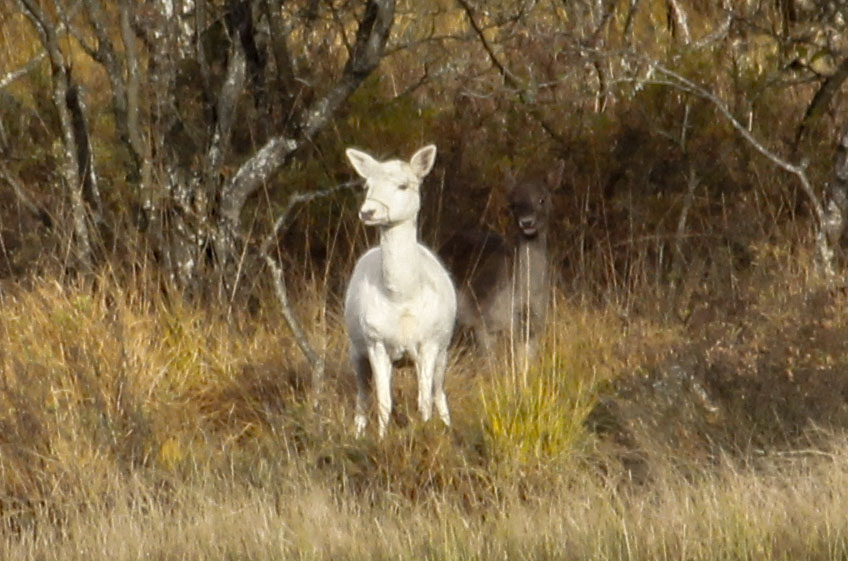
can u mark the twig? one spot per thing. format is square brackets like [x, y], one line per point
[35, 60]
[315, 359]
[19, 190]
[505, 72]
[525, 92]
[25, 69]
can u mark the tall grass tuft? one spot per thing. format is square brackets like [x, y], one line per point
[535, 412]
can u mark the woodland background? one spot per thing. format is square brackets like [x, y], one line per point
[177, 224]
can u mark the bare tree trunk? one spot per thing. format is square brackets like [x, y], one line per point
[123, 73]
[189, 203]
[836, 199]
[48, 32]
[85, 155]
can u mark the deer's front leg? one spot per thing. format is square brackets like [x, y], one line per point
[381, 368]
[424, 366]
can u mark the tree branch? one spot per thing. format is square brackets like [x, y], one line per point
[105, 54]
[25, 69]
[34, 61]
[227, 103]
[365, 56]
[680, 82]
[21, 194]
[507, 75]
[509, 78]
[315, 359]
[822, 99]
[825, 251]
[681, 20]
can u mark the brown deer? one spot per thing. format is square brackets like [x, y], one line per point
[503, 284]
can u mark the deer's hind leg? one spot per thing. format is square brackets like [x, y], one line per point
[362, 370]
[439, 397]
[425, 364]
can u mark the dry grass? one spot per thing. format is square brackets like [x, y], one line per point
[795, 510]
[134, 426]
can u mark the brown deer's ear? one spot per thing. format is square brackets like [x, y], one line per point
[554, 176]
[509, 179]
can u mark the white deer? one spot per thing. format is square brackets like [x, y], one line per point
[400, 300]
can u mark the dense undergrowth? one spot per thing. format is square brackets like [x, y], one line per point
[137, 425]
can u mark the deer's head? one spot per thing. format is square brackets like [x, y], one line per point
[392, 188]
[530, 202]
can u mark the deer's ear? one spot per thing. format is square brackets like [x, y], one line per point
[364, 164]
[423, 160]
[509, 179]
[554, 175]
[510, 182]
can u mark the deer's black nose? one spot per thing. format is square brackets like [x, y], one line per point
[527, 222]
[366, 215]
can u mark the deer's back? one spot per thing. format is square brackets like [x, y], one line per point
[480, 263]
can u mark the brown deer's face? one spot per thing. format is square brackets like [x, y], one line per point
[530, 206]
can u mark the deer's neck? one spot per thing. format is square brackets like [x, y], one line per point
[400, 256]
[532, 264]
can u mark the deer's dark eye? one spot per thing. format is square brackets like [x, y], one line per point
[403, 186]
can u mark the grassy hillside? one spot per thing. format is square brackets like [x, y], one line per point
[137, 426]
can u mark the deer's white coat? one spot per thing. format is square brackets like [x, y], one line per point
[400, 300]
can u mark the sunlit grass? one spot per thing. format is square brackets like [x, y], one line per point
[137, 427]
[535, 411]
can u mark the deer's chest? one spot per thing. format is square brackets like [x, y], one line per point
[399, 311]
[402, 326]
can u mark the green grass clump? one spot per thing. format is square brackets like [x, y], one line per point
[538, 414]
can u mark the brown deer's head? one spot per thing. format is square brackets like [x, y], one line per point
[530, 203]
